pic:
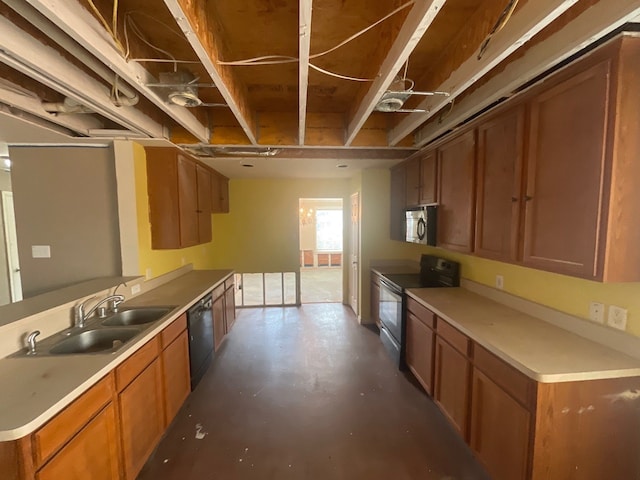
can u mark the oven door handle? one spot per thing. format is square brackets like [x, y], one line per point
[392, 288]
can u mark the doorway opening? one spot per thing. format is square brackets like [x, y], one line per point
[321, 250]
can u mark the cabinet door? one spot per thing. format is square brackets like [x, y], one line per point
[175, 375]
[230, 307]
[162, 186]
[564, 191]
[203, 180]
[419, 353]
[500, 430]
[499, 186]
[456, 166]
[428, 178]
[91, 454]
[219, 325]
[219, 193]
[412, 192]
[452, 377]
[141, 418]
[398, 202]
[188, 202]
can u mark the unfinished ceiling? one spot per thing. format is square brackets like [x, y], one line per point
[282, 78]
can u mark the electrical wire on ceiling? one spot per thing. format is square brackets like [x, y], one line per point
[129, 23]
[283, 59]
[502, 21]
[112, 31]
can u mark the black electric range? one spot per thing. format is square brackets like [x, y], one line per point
[435, 272]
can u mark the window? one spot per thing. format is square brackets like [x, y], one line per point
[329, 230]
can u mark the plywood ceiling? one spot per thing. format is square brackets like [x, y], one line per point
[265, 105]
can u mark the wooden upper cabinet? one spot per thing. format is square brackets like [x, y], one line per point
[456, 191]
[398, 202]
[187, 202]
[412, 184]
[219, 193]
[179, 199]
[565, 175]
[428, 178]
[203, 182]
[499, 185]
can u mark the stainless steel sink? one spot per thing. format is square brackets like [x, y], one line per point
[99, 340]
[136, 316]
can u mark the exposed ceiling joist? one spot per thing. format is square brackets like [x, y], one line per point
[593, 24]
[415, 26]
[78, 123]
[80, 25]
[51, 69]
[196, 25]
[304, 47]
[530, 19]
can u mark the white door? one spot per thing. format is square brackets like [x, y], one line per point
[354, 253]
[11, 239]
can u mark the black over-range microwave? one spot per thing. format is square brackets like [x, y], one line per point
[420, 225]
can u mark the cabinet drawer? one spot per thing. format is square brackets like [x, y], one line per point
[71, 420]
[170, 333]
[455, 338]
[218, 291]
[423, 314]
[229, 282]
[135, 364]
[518, 385]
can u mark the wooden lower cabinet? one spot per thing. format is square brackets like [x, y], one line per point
[420, 350]
[91, 454]
[452, 388]
[500, 430]
[175, 375]
[229, 307]
[141, 418]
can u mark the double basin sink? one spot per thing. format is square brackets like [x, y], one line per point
[104, 335]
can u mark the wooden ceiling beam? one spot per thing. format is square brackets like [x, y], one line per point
[200, 30]
[304, 47]
[593, 23]
[526, 22]
[80, 25]
[418, 21]
[51, 69]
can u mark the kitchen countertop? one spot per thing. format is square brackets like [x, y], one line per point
[538, 349]
[34, 389]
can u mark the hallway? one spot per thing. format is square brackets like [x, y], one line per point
[307, 393]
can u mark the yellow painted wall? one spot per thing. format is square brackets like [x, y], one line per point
[566, 294]
[260, 233]
[158, 262]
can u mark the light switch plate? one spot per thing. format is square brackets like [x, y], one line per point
[135, 289]
[41, 251]
[499, 282]
[617, 317]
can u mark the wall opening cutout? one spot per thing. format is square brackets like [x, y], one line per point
[321, 251]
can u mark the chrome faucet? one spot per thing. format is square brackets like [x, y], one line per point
[81, 316]
[31, 342]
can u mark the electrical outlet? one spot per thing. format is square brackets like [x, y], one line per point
[596, 312]
[617, 317]
[135, 289]
[183, 261]
[499, 282]
[148, 274]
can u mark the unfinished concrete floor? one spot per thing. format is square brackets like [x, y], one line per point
[307, 393]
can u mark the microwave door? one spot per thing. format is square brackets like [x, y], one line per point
[421, 230]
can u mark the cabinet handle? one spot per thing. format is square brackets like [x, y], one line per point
[514, 199]
[528, 198]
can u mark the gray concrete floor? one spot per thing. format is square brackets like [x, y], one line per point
[307, 393]
[321, 285]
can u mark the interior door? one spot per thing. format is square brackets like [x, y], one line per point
[11, 240]
[354, 253]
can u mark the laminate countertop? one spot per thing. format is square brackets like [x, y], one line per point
[540, 350]
[34, 389]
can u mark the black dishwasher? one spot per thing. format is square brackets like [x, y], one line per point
[200, 326]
